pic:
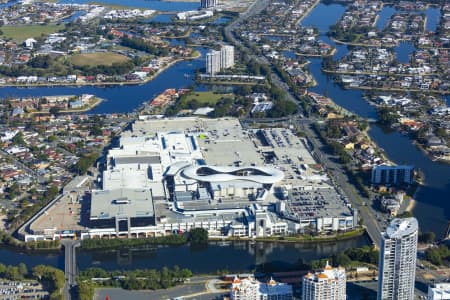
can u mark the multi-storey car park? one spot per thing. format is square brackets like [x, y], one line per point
[171, 175]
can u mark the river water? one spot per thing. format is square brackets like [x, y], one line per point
[432, 210]
[433, 15]
[238, 256]
[14, 257]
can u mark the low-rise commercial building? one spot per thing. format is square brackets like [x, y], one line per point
[439, 291]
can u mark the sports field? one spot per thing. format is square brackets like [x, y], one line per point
[97, 59]
[20, 33]
[204, 98]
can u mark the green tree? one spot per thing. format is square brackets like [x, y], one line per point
[51, 278]
[12, 273]
[434, 257]
[85, 162]
[427, 237]
[85, 290]
[198, 235]
[437, 255]
[23, 270]
[51, 138]
[18, 139]
[341, 259]
[51, 192]
[96, 130]
[166, 278]
[387, 115]
[54, 110]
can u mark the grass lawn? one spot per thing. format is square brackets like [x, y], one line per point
[205, 98]
[22, 32]
[97, 59]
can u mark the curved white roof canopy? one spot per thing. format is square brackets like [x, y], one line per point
[206, 173]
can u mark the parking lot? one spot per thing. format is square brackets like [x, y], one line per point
[64, 215]
[21, 289]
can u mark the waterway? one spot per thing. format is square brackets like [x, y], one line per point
[221, 21]
[403, 51]
[10, 256]
[238, 256]
[8, 4]
[384, 16]
[161, 18]
[432, 13]
[433, 17]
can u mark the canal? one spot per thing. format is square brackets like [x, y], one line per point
[236, 256]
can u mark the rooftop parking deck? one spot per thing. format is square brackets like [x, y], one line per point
[318, 203]
[65, 214]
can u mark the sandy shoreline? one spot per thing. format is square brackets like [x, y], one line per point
[411, 205]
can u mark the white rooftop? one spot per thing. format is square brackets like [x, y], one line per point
[107, 204]
[440, 291]
[399, 228]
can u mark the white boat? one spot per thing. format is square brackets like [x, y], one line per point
[347, 79]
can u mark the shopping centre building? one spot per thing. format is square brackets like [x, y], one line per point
[167, 176]
[170, 175]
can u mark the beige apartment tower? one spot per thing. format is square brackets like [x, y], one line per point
[328, 284]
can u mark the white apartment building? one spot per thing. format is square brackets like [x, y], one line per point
[252, 289]
[398, 253]
[328, 284]
[213, 62]
[439, 291]
[392, 174]
[227, 57]
[208, 3]
[219, 60]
